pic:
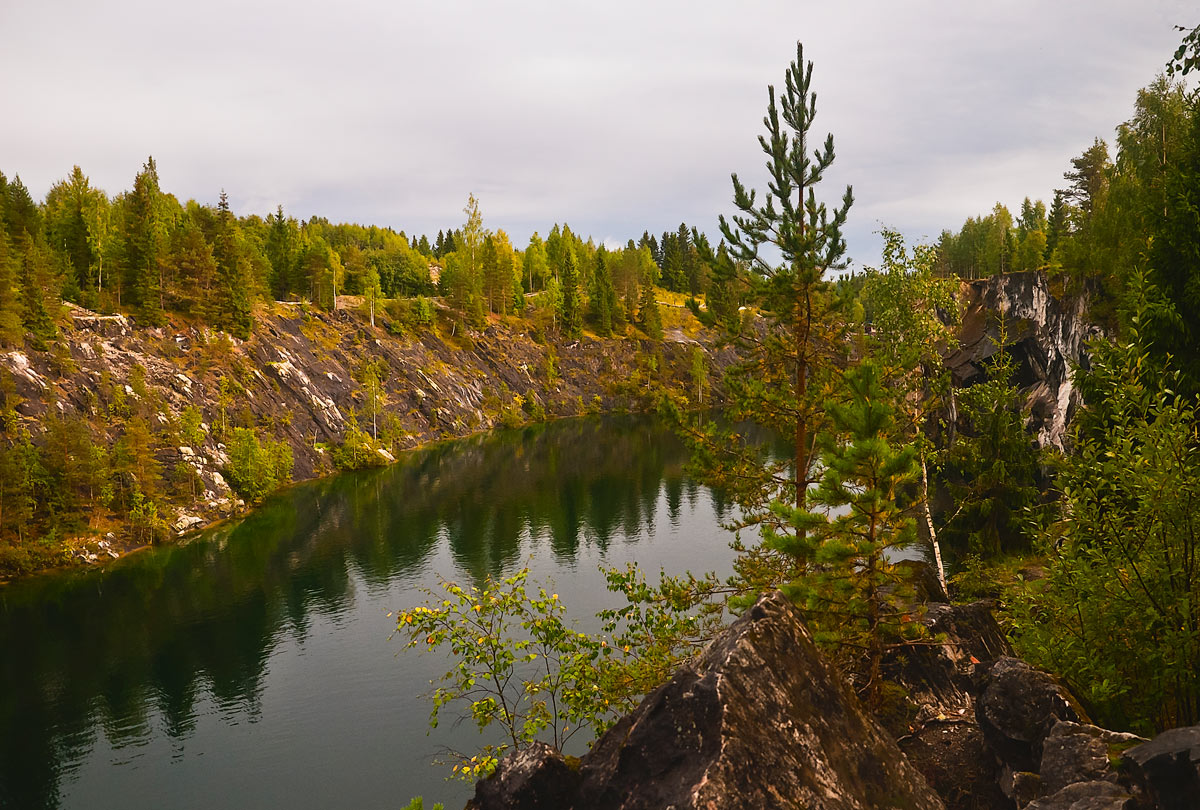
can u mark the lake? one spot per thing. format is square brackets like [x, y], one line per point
[253, 666]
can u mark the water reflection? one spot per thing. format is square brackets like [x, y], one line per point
[140, 653]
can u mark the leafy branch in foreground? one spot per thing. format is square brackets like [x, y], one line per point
[519, 666]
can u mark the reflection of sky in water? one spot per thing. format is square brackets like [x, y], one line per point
[252, 667]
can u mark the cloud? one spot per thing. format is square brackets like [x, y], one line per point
[618, 118]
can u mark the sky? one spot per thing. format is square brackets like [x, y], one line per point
[615, 117]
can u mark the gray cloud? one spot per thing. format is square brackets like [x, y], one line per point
[615, 117]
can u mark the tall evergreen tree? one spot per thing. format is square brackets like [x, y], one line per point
[571, 315]
[601, 297]
[232, 305]
[142, 241]
[775, 385]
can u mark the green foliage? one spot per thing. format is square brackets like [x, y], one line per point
[838, 551]
[145, 524]
[1172, 322]
[191, 432]
[991, 468]
[1187, 56]
[358, 450]
[789, 371]
[419, 804]
[517, 665]
[571, 307]
[1118, 615]
[257, 467]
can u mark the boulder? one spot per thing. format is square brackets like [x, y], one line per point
[1168, 768]
[534, 778]
[1017, 709]
[1086, 796]
[942, 738]
[760, 720]
[1077, 752]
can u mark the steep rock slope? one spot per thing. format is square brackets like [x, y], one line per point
[1046, 335]
[299, 379]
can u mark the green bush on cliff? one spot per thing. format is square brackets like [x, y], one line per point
[358, 450]
[257, 467]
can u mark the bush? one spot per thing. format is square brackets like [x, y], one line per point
[257, 467]
[358, 450]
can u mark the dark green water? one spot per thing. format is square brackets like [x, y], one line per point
[252, 667]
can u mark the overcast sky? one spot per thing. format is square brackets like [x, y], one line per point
[615, 117]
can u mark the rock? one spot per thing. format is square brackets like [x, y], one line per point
[1021, 786]
[534, 778]
[1077, 752]
[1087, 796]
[760, 720]
[1017, 709]
[186, 523]
[1168, 768]
[1046, 337]
[944, 741]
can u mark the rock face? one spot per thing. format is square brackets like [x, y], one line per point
[759, 721]
[943, 739]
[1168, 768]
[296, 380]
[1045, 336]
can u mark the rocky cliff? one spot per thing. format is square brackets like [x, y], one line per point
[761, 720]
[1047, 336]
[299, 379]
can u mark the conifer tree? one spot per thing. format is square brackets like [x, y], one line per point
[11, 328]
[40, 290]
[232, 305]
[852, 590]
[783, 383]
[571, 314]
[601, 297]
[144, 232]
[282, 250]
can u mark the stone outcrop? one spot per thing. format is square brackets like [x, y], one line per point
[940, 682]
[1018, 708]
[296, 379]
[760, 720]
[1046, 335]
[1167, 768]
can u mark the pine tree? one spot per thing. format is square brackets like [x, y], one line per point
[852, 591]
[144, 232]
[775, 385]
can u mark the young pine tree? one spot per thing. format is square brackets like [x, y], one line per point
[852, 521]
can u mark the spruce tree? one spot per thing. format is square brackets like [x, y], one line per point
[571, 314]
[601, 297]
[231, 307]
